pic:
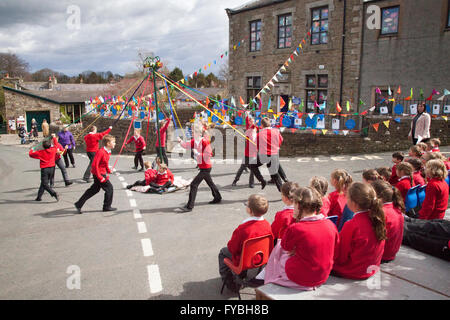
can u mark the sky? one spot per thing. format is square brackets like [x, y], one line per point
[79, 35]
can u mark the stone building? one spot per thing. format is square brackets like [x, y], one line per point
[327, 71]
[409, 50]
[345, 59]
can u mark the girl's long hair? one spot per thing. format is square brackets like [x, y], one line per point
[365, 197]
[388, 193]
[343, 179]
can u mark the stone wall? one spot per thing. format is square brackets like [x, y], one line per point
[17, 105]
[298, 143]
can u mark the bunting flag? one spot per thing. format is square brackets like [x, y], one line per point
[399, 91]
[207, 101]
[241, 101]
[282, 102]
[290, 104]
[324, 131]
[316, 105]
[376, 126]
[268, 105]
[444, 117]
[389, 91]
[378, 91]
[338, 107]
[348, 106]
[421, 93]
[345, 132]
[386, 123]
[446, 93]
[314, 131]
[300, 108]
[233, 102]
[411, 96]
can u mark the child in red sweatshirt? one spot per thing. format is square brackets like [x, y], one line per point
[405, 180]
[418, 179]
[139, 143]
[150, 175]
[161, 151]
[91, 140]
[321, 186]
[436, 192]
[394, 209]
[253, 227]
[340, 180]
[47, 158]
[100, 170]
[162, 180]
[397, 158]
[284, 218]
[362, 239]
[305, 257]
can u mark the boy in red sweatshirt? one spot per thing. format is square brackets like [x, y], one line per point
[436, 192]
[91, 140]
[253, 227]
[47, 163]
[202, 149]
[100, 170]
[161, 150]
[139, 143]
[284, 218]
[150, 175]
[162, 180]
[397, 157]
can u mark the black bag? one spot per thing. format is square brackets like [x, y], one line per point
[428, 236]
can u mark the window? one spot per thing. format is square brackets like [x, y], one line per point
[389, 20]
[255, 36]
[319, 25]
[448, 14]
[253, 87]
[316, 90]
[284, 31]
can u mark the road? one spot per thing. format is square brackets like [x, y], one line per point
[144, 250]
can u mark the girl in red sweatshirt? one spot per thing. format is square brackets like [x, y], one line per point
[362, 239]
[394, 208]
[139, 143]
[436, 192]
[284, 218]
[304, 258]
[405, 180]
[340, 180]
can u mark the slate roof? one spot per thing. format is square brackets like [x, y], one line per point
[253, 5]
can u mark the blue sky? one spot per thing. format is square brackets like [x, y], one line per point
[187, 33]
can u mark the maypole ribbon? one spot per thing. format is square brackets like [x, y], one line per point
[218, 116]
[173, 110]
[124, 141]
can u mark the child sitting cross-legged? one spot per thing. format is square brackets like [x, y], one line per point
[304, 258]
[405, 178]
[163, 180]
[252, 227]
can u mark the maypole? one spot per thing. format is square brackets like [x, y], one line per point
[154, 64]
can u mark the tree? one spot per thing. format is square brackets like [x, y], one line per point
[224, 73]
[176, 74]
[13, 65]
[198, 81]
[211, 80]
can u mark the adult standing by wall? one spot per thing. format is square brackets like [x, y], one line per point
[34, 128]
[420, 125]
[45, 128]
[67, 140]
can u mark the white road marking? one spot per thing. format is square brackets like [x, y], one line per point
[137, 214]
[154, 279]
[133, 203]
[129, 193]
[147, 247]
[121, 179]
[142, 228]
[124, 184]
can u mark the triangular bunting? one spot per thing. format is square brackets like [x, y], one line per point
[376, 126]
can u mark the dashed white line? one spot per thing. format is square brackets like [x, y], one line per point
[154, 279]
[147, 247]
[142, 228]
[137, 214]
[129, 193]
[121, 179]
[133, 203]
[124, 184]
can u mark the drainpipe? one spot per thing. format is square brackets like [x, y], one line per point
[343, 52]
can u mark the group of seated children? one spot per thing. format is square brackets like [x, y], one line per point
[370, 216]
[159, 180]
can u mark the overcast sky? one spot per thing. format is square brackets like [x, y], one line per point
[184, 33]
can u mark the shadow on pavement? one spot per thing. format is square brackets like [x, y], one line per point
[197, 204]
[65, 212]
